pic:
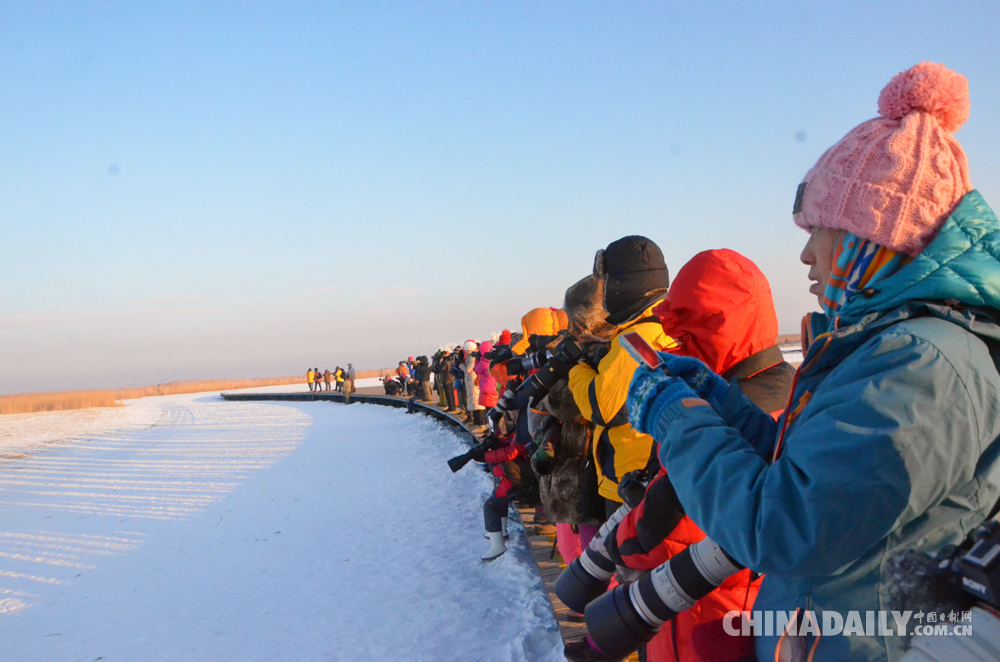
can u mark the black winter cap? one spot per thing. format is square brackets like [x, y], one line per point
[632, 268]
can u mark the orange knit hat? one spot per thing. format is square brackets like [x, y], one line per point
[895, 179]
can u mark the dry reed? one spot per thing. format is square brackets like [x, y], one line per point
[25, 403]
[28, 403]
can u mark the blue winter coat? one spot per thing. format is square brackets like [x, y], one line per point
[891, 441]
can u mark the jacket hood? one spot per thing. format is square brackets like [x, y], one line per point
[720, 309]
[961, 264]
[485, 346]
[542, 322]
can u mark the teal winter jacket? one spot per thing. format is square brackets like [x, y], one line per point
[890, 442]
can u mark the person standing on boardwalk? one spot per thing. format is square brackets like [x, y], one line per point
[423, 376]
[349, 381]
[327, 375]
[635, 280]
[310, 379]
[487, 383]
[891, 438]
[471, 390]
[447, 381]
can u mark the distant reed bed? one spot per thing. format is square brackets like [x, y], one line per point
[27, 403]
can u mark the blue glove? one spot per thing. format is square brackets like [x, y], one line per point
[708, 385]
[650, 392]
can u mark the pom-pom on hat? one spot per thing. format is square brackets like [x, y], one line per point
[895, 179]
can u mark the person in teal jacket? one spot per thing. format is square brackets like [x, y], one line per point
[890, 440]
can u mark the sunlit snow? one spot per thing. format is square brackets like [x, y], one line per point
[189, 528]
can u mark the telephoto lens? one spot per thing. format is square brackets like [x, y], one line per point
[621, 620]
[524, 365]
[589, 575]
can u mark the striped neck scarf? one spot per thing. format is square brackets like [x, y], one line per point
[857, 264]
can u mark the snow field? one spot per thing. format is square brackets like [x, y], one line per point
[259, 531]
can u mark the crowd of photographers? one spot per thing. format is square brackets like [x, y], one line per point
[708, 476]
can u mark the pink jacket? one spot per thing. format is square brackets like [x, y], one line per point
[487, 384]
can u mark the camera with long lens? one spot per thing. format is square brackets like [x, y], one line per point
[475, 453]
[557, 366]
[629, 615]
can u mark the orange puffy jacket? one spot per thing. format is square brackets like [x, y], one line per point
[542, 322]
[719, 309]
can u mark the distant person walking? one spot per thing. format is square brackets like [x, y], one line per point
[311, 379]
[327, 376]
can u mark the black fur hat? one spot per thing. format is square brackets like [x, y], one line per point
[633, 270]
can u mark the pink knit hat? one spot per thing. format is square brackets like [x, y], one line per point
[895, 179]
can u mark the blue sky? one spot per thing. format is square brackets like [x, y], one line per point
[193, 190]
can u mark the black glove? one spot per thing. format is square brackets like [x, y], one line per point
[595, 359]
[478, 453]
[492, 441]
[501, 355]
[632, 487]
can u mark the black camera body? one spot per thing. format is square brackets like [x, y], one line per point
[976, 562]
[537, 343]
[632, 487]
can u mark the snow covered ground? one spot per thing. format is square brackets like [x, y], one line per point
[792, 353]
[189, 528]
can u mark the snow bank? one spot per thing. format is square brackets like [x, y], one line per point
[259, 531]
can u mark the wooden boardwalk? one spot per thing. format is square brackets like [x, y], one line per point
[550, 564]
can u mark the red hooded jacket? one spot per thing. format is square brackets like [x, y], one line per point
[719, 309]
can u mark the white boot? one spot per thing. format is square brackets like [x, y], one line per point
[503, 530]
[497, 548]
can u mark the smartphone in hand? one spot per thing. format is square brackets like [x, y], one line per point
[640, 350]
